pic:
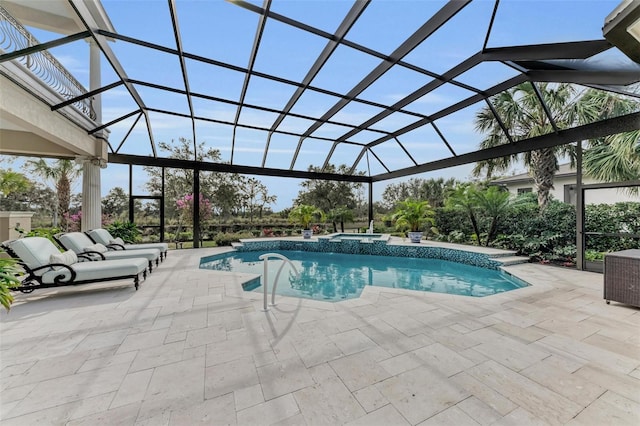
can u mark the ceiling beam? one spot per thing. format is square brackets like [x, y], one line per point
[82, 10]
[231, 168]
[183, 68]
[607, 77]
[44, 46]
[538, 52]
[346, 24]
[611, 126]
[441, 17]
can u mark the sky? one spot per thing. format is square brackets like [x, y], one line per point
[383, 26]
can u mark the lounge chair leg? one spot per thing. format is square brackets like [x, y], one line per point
[150, 267]
[136, 282]
[157, 262]
[144, 274]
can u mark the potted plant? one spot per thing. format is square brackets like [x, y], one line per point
[414, 215]
[304, 214]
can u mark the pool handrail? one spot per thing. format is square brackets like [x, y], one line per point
[265, 283]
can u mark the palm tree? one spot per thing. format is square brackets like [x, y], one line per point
[63, 172]
[614, 158]
[525, 117]
[342, 215]
[464, 198]
[11, 182]
[414, 215]
[494, 202]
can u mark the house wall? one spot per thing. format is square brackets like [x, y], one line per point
[592, 196]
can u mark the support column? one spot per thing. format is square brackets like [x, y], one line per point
[91, 196]
[579, 210]
[95, 79]
[196, 207]
[370, 201]
[91, 184]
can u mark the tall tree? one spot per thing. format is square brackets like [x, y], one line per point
[615, 157]
[115, 203]
[525, 117]
[12, 182]
[62, 172]
[494, 202]
[340, 215]
[464, 198]
[254, 196]
[431, 190]
[326, 194]
[179, 182]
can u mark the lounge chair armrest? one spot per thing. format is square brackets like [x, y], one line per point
[60, 279]
[115, 246]
[92, 255]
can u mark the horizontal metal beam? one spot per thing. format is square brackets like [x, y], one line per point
[603, 185]
[86, 95]
[611, 126]
[44, 46]
[140, 160]
[536, 52]
[607, 77]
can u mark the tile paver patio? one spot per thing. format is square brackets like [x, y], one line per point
[190, 346]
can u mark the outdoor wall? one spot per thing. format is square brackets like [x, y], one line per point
[593, 196]
[10, 220]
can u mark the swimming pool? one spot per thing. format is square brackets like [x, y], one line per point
[336, 276]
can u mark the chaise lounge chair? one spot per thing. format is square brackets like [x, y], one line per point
[82, 245]
[103, 237]
[46, 266]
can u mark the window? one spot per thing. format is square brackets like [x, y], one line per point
[524, 190]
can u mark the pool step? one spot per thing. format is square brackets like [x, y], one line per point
[511, 260]
[503, 253]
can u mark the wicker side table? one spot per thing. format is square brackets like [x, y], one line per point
[622, 277]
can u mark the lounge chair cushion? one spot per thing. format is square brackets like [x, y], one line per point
[103, 236]
[34, 251]
[100, 248]
[80, 243]
[117, 240]
[67, 258]
[149, 254]
[100, 270]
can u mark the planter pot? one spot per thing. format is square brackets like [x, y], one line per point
[307, 233]
[594, 265]
[415, 237]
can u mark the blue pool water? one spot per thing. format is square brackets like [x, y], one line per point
[336, 276]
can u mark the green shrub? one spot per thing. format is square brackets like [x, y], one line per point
[128, 231]
[593, 255]
[612, 218]
[44, 232]
[226, 238]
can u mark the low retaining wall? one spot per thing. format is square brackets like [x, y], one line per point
[375, 247]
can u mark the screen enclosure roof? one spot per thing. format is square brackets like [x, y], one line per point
[387, 88]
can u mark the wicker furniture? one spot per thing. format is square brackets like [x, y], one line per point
[622, 277]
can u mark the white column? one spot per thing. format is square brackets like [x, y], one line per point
[91, 196]
[91, 185]
[94, 78]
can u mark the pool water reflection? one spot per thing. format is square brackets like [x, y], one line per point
[336, 276]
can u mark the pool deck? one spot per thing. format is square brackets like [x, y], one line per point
[190, 346]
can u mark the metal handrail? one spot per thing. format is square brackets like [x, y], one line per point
[265, 283]
[14, 36]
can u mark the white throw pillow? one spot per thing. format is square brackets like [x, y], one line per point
[68, 258]
[117, 240]
[100, 248]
